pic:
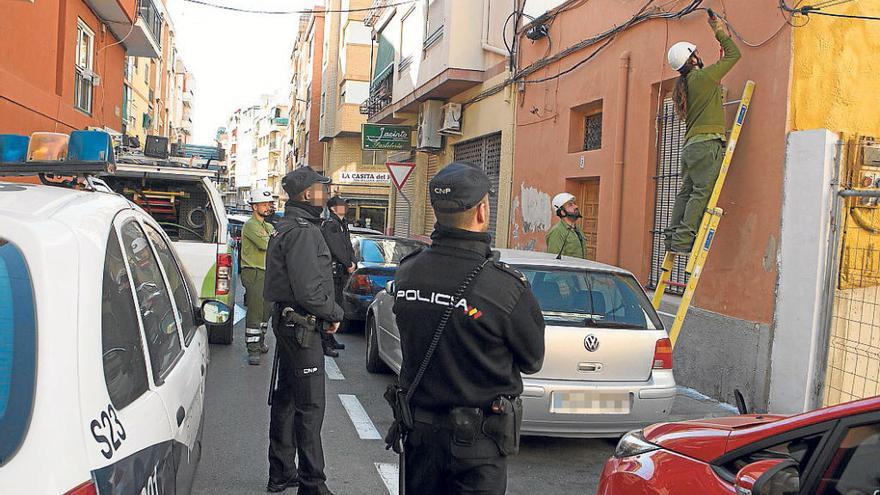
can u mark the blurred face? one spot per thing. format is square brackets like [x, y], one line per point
[262, 209]
[317, 194]
[340, 210]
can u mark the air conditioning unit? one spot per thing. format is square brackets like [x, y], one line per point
[451, 119]
[871, 155]
[430, 121]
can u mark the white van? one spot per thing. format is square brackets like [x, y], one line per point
[187, 205]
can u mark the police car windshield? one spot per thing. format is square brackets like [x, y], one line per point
[17, 349]
[385, 250]
[594, 299]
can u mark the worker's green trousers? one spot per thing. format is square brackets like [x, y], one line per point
[700, 165]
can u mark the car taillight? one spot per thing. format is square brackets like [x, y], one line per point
[224, 269]
[663, 355]
[360, 284]
[87, 488]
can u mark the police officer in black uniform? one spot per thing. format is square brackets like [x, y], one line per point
[335, 230]
[299, 281]
[463, 426]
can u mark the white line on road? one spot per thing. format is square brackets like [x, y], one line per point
[333, 371]
[390, 476]
[362, 422]
[240, 313]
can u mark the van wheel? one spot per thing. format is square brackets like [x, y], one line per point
[222, 334]
[373, 361]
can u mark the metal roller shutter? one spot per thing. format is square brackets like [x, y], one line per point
[430, 218]
[402, 210]
[485, 153]
[668, 181]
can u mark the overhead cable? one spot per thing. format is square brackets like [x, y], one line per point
[295, 12]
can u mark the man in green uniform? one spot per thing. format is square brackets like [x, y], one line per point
[697, 98]
[254, 241]
[566, 238]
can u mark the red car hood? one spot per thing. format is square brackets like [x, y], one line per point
[703, 439]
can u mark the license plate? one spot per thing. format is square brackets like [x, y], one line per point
[591, 402]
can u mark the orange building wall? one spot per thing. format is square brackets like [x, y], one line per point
[37, 43]
[316, 147]
[741, 273]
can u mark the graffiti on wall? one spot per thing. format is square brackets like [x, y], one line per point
[535, 209]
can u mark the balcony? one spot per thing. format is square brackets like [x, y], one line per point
[144, 39]
[380, 95]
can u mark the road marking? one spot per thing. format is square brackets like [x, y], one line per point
[332, 369]
[240, 313]
[359, 418]
[390, 476]
[664, 313]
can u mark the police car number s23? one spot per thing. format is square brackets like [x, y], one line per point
[108, 431]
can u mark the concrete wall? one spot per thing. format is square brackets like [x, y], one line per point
[806, 227]
[834, 72]
[37, 43]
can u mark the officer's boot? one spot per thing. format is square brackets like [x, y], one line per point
[264, 346]
[335, 343]
[253, 337]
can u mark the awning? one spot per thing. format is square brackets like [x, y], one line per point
[384, 60]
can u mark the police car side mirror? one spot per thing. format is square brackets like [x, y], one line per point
[214, 312]
[389, 287]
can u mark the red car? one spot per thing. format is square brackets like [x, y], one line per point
[835, 450]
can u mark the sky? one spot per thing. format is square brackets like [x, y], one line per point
[235, 57]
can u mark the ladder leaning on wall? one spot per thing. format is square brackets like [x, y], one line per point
[708, 226]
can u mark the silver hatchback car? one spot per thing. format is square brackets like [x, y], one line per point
[608, 362]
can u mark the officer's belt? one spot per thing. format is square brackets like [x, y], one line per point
[439, 418]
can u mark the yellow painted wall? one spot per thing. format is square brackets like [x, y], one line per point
[834, 71]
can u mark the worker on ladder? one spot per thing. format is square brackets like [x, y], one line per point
[697, 99]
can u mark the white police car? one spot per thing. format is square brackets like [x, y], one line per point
[103, 348]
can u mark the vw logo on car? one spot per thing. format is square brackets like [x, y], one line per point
[591, 343]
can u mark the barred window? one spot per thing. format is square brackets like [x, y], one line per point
[593, 132]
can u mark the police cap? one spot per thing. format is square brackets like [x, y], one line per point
[301, 179]
[337, 201]
[459, 187]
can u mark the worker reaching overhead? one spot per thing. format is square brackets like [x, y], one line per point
[697, 99]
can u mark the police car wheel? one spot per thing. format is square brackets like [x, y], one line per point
[373, 361]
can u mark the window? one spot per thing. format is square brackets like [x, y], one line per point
[373, 157]
[800, 450]
[433, 22]
[157, 314]
[355, 92]
[125, 368]
[84, 64]
[183, 295]
[410, 38]
[18, 349]
[147, 74]
[853, 467]
[593, 132]
[385, 250]
[323, 102]
[580, 298]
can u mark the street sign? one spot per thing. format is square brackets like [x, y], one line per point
[386, 137]
[345, 177]
[400, 172]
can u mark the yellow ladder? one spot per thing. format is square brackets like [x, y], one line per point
[708, 226]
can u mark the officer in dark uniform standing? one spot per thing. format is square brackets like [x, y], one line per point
[335, 230]
[299, 281]
[466, 409]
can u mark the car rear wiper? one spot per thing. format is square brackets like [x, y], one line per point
[592, 322]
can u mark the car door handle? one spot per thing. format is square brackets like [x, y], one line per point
[181, 415]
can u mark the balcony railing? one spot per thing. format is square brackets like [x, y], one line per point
[153, 19]
[380, 96]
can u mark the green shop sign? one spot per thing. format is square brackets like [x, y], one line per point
[386, 137]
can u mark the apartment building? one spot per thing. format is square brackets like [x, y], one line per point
[359, 176]
[69, 71]
[307, 60]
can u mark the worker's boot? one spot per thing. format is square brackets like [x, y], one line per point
[253, 338]
[264, 346]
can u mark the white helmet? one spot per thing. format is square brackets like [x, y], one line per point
[560, 199]
[261, 195]
[679, 54]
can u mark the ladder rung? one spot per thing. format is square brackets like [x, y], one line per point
[676, 284]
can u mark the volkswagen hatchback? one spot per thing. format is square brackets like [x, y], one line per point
[103, 349]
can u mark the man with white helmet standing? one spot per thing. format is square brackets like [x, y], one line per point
[698, 100]
[566, 238]
[254, 241]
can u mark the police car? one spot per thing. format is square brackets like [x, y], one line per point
[103, 347]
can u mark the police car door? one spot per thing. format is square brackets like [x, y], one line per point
[176, 374]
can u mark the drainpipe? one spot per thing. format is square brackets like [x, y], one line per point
[485, 37]
[618, 155]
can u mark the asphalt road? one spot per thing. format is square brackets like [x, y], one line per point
[237, 425]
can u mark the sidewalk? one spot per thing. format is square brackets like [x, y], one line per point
[690, 404]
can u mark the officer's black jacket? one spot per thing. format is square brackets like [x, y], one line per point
[338, 240]
[495, 333]
[298, 264]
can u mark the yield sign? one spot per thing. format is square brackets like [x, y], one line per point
[400, 172]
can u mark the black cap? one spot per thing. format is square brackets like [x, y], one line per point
[301, 179]
[459, 187]
[337, 201]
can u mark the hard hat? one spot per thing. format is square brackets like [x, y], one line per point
[679, 54]
[261, 195]
[560, 199]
